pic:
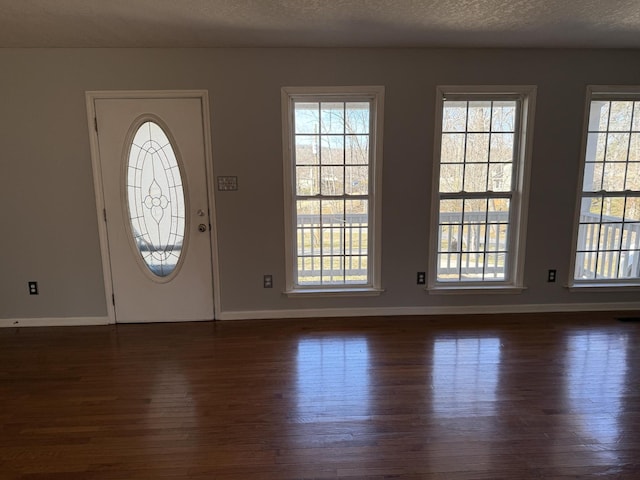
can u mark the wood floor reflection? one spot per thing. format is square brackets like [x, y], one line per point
[475, 397]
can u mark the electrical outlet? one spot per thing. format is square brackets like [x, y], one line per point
[33, 288]
[421, 278]
[551, 276]
[268, 281]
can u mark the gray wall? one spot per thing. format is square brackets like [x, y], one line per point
[47, 208]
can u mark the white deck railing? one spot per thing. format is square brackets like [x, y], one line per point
[607, 250]
[616, 256]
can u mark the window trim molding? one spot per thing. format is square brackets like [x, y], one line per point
[375, 93]
[596, 92]
[514, 277]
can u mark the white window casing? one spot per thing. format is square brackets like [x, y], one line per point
[606, 235]
[332, 146]
[482, 152]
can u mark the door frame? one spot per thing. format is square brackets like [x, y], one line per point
[203, 96]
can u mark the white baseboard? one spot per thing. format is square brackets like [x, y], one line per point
[53, 322]
[426, 310]
[348, 312]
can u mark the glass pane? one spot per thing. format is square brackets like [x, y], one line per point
[333, 154]
[451, 177]
[585, 266]
[500, 177]
[495, 266]
[599, 116]
[504, 116]
[332, 117]
[309, 270]
[307, 117]
[452, 148]
[617, 147]
[613, 177]
[473, 237]
[333, 270]
[610, 234]
[630, 236]
[596, 143]
[356, 269]
[356, 238]
[628, 267]
[475, 211]
[477, 147]
[448, 267]
[332, 181]
[588, 236]
[498, 210]
[450, 211]
[591, 207]
[357, 180]
[332, 150]
[454, 116]
[620, 118]
[497, 237]
[307, 152]
[332, 212]
[308, 241]
[632, 210]
[633, 177]
[634, 147]
[310, 210]
[333, 240]
[356, 224]
[612, 209]
[357, 149]
[501, 147]
[449, 238]
[357, 117]
[471, 266]
[155, 199]
[356, 211]
[307, 181]
[479, 116]
[593, 177]
[607, 265]
[475, 177]
[636, 117]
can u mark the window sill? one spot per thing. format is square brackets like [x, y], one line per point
[604, 287]
[474, 289]
[334, 292]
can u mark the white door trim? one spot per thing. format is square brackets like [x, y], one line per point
[203, 96]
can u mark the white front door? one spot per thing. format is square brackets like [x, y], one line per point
[152, 162]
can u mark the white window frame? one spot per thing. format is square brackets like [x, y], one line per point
[514, 273]
[610, 93]
[374, 95]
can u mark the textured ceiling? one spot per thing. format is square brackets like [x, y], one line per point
[320, 23]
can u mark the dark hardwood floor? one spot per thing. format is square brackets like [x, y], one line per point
[469, 397]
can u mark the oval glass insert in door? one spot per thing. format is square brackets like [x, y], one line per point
[156, 201]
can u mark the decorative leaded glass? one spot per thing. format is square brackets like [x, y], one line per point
[156, 199]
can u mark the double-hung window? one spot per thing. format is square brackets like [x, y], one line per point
[482, 147]
[332, 141]
[607, 245]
